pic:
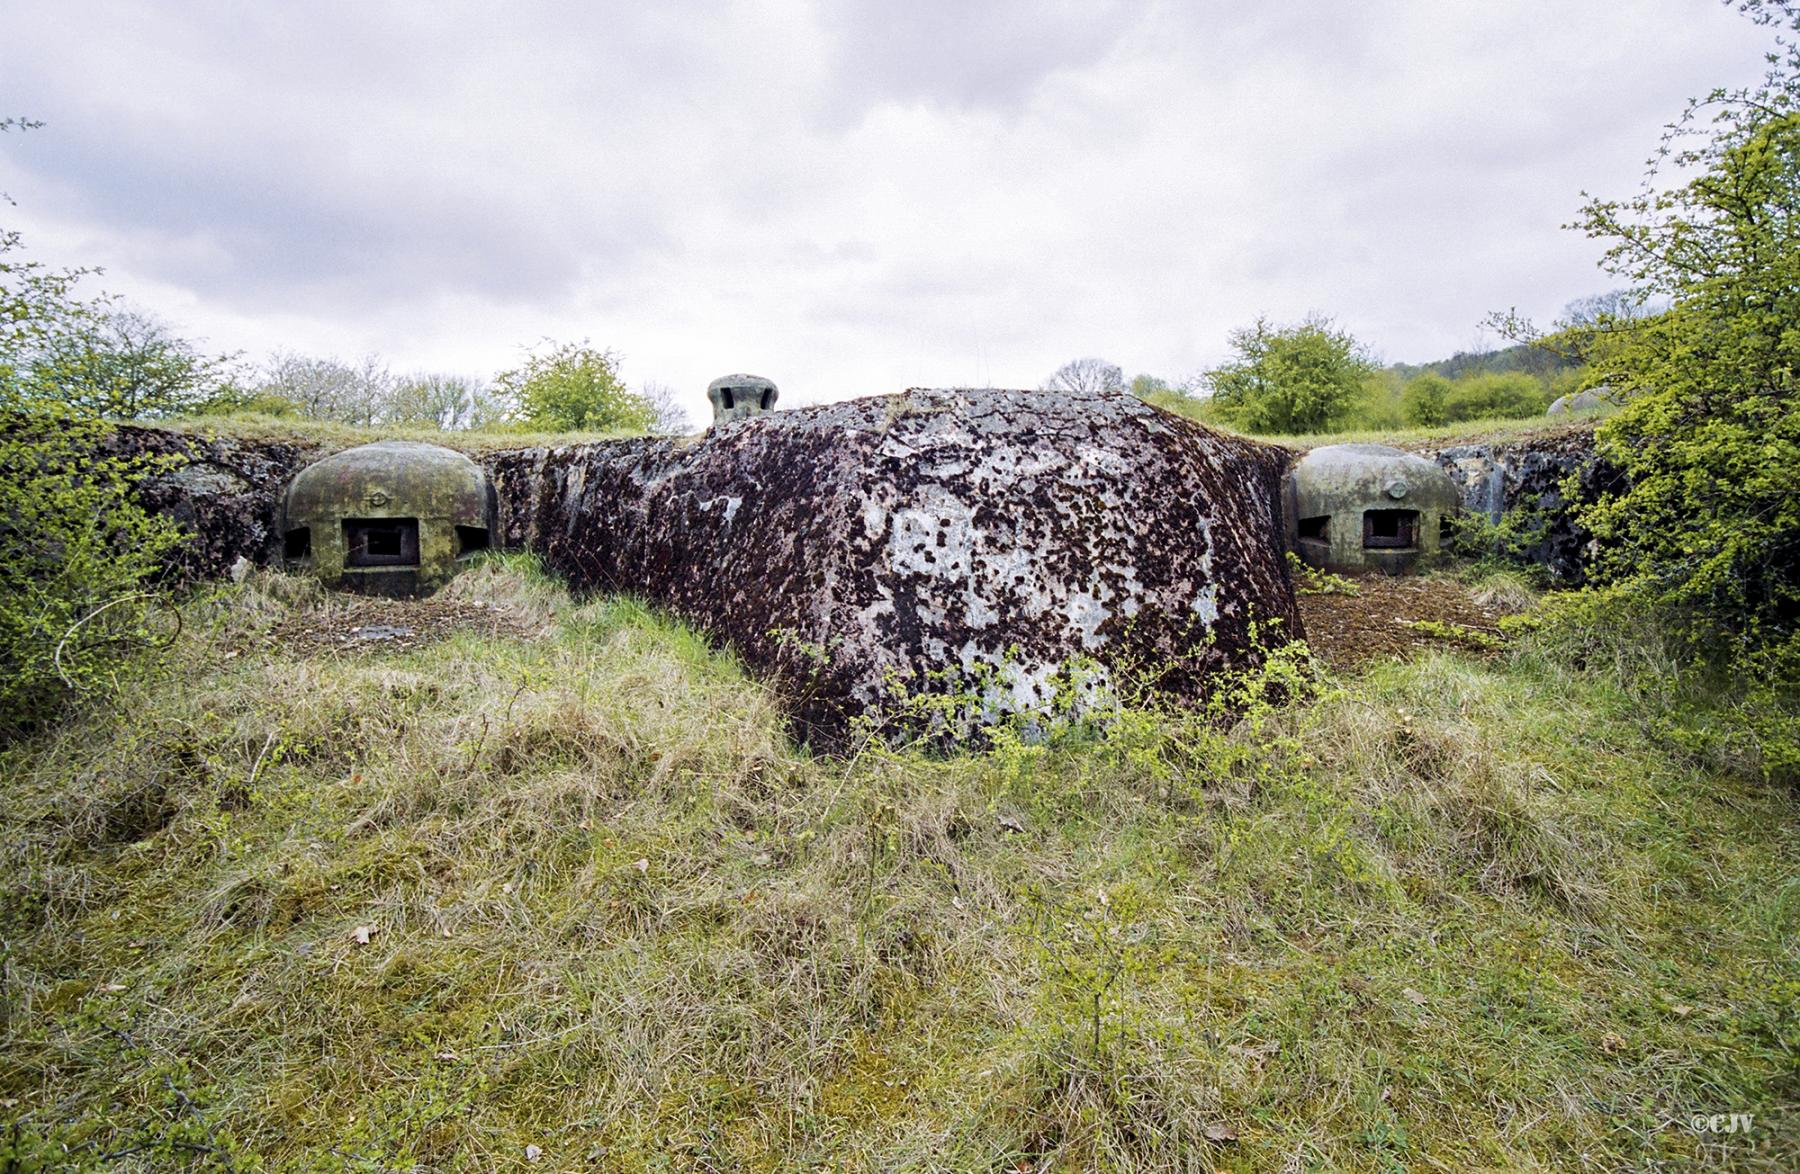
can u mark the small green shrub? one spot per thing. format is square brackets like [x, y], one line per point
[1310, 580]
[1290, 379]
[572, 386]
[77, 553]
[1427, 400]
[76, 549]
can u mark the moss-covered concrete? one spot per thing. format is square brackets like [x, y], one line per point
[384, 487]
[1367, 507]
[735, 397]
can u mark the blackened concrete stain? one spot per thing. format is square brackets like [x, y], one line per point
[225, 492]
[840, 548]
[934, 537]
[1549, 477]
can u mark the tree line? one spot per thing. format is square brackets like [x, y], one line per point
[1700, 541]
[102, 357]
[1312, 377]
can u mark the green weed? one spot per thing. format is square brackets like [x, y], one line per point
[579, 892]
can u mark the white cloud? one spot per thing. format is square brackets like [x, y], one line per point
[849, 198]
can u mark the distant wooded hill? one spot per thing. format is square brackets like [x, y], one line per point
[1524, 358]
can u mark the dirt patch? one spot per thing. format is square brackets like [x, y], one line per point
[1350, 631]
[362, 624]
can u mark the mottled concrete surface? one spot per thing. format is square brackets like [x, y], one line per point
[1547, 476]
[840, 549]
[1005, 536]
[434, 489]
[225, 492]
[1334, 486]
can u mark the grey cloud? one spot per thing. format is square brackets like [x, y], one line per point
[275, 231]
[850, 194]
[966, 54]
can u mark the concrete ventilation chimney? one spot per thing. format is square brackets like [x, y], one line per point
[737, 396]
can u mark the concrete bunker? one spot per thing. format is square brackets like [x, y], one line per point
[391, 518]
[1366, 506]
[737, 396]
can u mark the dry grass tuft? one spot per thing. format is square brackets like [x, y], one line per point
[568, 885]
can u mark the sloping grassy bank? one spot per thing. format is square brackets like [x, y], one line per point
[574, 903]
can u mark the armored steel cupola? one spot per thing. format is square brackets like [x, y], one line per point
[1357, 506]
[390, 518]
[736, 396]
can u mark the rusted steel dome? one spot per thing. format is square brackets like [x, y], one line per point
[389, 518]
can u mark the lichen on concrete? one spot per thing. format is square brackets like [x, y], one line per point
[1540, 482]
[223, 491]
[1003, 536]
[440, 495]
[1335, 496]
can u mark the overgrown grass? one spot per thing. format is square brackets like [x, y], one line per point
[1498, 428]
[332, 434]
[329, 433]
[1451, 915]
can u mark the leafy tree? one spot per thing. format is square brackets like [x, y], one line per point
[1290, 379]
[1709, 436]
[75, 546]
[1145, 386]
[124, 364]
[331, 389]
[1426, 399]
[1501, 394]
[571, 386]
[1085, 377]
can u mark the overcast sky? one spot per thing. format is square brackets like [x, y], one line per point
[847, 197]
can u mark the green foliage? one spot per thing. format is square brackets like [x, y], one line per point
[1532, 357]
[75, 547]
[37, 303]
[1144, 386]
[122, 364]
[1426, 400]
[571, 386]
[1311, 580]
[1453, 633]
[1290, 379]
[1507, 544]
[74, 542]
[1344, 920]
[1709, 437]
[89, 355]
[239, 401]
[1182, 403]
[1738, 715]
[1430, 400]
[1500, 395]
